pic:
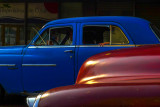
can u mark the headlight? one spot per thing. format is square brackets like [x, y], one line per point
[33, 101]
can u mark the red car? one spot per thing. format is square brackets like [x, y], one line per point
[125, 77]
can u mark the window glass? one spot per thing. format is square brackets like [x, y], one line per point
[56, 36]
[117, 36]
[103, 35]
[95, 34]
[42, 40]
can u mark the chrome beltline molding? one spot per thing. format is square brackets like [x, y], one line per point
[52, 46]
[73, 46]
[105, 46]
[8, 65]
[38, 64]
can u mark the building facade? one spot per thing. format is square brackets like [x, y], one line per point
[20, 20]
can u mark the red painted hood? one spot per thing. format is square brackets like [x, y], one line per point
[102, 95]
[132, 65]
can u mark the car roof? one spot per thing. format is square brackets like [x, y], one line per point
[137, 28]
[119, 19]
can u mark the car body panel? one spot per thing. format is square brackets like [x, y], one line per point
[85, 51]
[43, 67]
[48, 66]
[122, 66]
[102, 95]
[137, 28]
[11, 69]
[11, 49]
[122, 77]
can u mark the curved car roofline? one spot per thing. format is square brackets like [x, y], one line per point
[119, 19]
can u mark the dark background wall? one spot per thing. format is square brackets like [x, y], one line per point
[20, 31]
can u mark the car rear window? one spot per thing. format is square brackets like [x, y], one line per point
[155, 30]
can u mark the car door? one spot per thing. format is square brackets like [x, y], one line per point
[10, 69]
[49, 61]
[97, 37]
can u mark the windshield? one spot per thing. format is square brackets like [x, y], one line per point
[155, 30]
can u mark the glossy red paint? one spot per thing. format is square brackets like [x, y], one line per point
[133, 65]
[103, 95]
[121, 78]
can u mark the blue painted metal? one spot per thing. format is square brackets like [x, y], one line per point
[11, 49]
[16, 79]
[42, 78]
[11, 76]
[138, 29]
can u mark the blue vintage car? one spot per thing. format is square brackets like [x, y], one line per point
[54, 56]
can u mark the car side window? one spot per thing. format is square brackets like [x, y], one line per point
[42, 40]
[105, 34]
[56, 36]
[117, 36]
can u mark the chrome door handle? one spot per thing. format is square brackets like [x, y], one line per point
[68, 51]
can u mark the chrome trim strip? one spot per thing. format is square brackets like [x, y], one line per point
[30, 101]
[154, 33]
[39, 65]
[105, 45]
[52, 46]
[9, 65]
[37, 100]
[87, 46]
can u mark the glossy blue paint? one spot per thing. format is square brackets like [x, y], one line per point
[86, 52]
[11, 49]
[138, 29]
[10, 75]
[45, 77]
[40, 77]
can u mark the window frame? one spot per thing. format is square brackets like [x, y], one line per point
[45, 27]
[153, 27]
[125, 34]
[121, 32]
[58, 28]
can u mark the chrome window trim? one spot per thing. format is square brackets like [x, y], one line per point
[110, 42]
[78, 46]
[52, 28]
[105, 46]
[43, 65]
[154, 32]
[8, 65]
[110, 26]
[52, 46]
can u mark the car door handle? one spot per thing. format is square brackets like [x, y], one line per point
[68, 51]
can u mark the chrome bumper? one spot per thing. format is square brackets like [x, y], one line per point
[31, 100]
